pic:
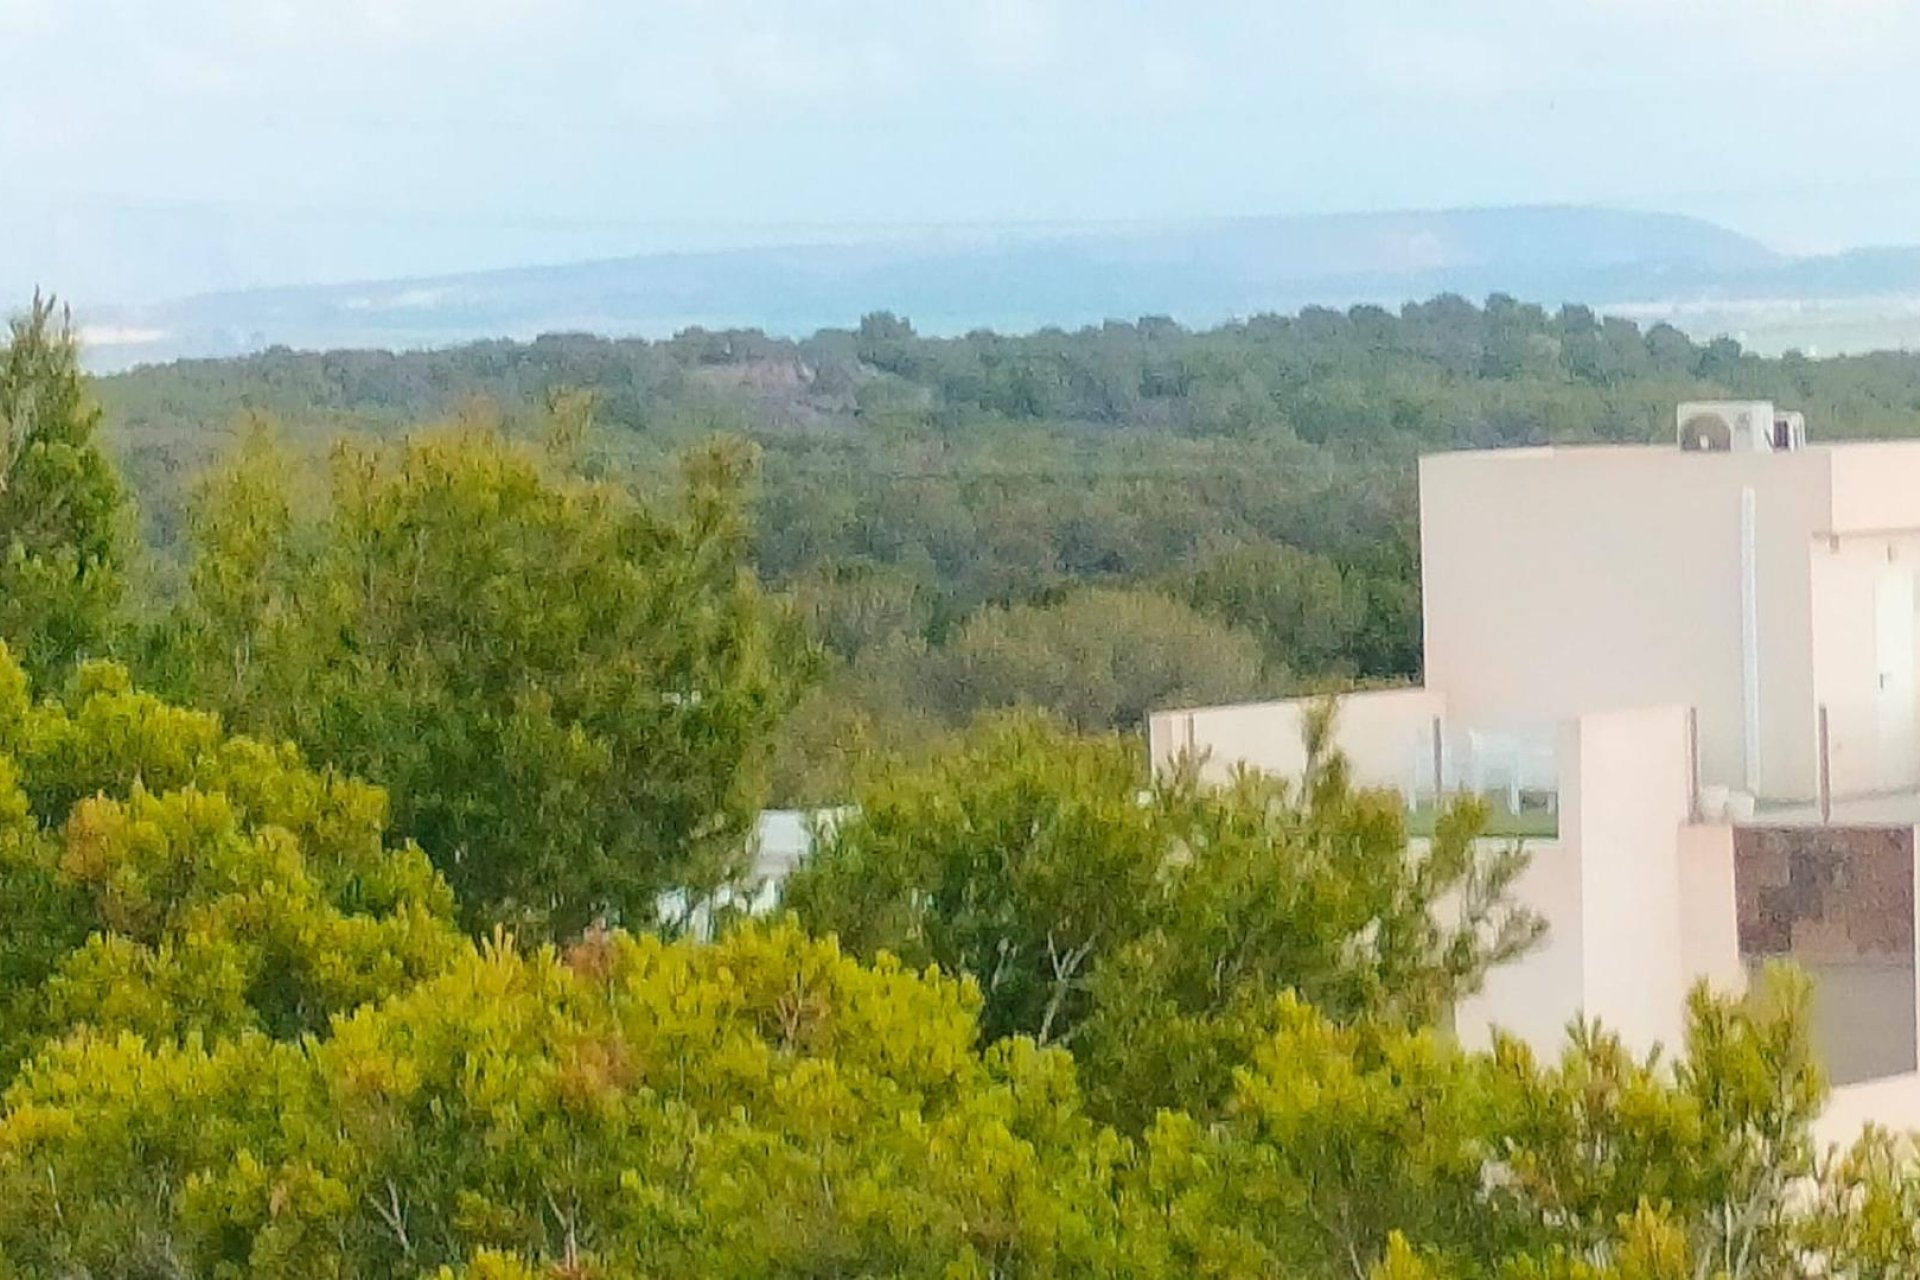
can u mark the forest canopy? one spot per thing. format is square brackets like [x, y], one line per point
[943, 510]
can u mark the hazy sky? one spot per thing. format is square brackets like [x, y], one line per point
[161, 146]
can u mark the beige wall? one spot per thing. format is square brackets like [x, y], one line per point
[1893, 1103]
[1876, 487]
[1562, 581]
[1639, 903]
[1846, 575]
[1382, 733]
[1624, 810]
[1709, 910]
[1535, 997]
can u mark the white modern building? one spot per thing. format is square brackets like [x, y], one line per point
[1686, 674]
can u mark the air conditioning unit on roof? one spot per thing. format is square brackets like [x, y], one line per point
[1738, 426]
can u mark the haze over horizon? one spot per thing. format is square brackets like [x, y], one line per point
[213, 145]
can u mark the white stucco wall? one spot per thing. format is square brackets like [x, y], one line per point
[1639, 902]
[1382, 733]
[1847, 572]
[1534, 998]
[1892, 1103]
[1623, 814]
[1709, 910]
[1876, 486]
[1844, 575]
[1562, 581]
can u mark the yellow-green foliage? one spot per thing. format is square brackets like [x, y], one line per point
[762, 1106]
[766, 1105]
[247, 1040]
[162, 878]
[1369, 1152]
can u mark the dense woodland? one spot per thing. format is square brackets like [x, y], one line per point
[353, 824]
[1098, 521]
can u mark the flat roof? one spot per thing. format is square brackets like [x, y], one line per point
[1612, 449]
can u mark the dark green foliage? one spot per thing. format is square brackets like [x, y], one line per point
[61, 521]
[995, 467]
[1101, 659]
[1150, 928]
[568, 693]
[1261, 472]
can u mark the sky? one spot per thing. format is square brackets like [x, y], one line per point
[164, 147]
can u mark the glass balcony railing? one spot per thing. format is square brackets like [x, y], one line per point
[1512, 771]
[1399, 741]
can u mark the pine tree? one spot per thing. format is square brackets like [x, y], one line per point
[62, 549]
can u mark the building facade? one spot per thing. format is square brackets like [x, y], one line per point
[1686, 676]
[1766, 589]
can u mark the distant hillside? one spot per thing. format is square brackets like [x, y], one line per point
[1010, 280]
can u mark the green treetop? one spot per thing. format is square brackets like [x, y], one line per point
[62, 524]
[567, 693]
[1148, 927]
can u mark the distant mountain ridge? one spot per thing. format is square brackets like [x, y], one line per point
[1019, 280]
